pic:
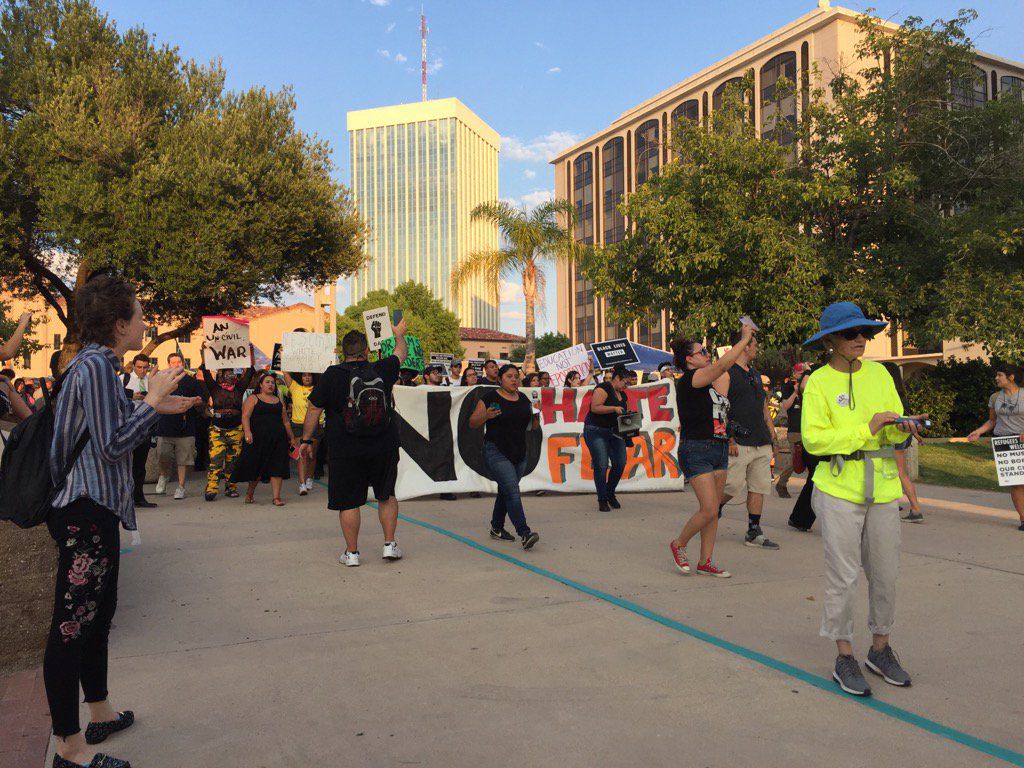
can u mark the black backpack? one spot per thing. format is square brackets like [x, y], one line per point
[27, 487]
[367, 409]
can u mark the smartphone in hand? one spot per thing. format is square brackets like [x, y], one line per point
[396, 317]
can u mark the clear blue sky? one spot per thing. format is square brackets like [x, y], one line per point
[542, 73]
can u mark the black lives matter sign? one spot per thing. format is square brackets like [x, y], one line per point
[614, 352]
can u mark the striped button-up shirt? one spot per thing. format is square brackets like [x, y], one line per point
[93, 396]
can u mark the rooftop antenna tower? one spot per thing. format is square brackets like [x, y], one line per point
[423, 51]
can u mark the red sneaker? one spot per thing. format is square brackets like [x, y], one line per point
[679, 556]
[710, 569]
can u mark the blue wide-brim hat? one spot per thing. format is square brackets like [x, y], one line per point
[841, 316]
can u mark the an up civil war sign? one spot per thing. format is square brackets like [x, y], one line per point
[227, 342]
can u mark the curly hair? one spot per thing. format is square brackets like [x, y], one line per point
[99, 304]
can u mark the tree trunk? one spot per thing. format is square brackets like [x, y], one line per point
[530, 294]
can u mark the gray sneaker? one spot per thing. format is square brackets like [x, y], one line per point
[755, 538]
[847, 673]
[913, 517]
[887, 664]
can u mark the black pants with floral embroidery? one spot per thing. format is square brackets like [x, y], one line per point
[88, 553]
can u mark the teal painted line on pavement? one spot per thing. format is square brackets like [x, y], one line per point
[821, 683]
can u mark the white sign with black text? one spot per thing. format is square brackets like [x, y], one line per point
[307, 352]
[227, 343]
[1009, 456]
[378, 326]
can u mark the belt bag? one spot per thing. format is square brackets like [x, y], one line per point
[838, 461]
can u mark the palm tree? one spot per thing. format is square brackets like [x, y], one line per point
[530, 238]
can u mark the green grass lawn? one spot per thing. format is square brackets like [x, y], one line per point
[961, 465]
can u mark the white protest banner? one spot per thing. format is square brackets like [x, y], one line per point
[227, 343]
[558, 364]
[307, 352]
[1009, 456]
[378, 326]
[440, 453]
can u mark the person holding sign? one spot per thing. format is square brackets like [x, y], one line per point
[607, 403]
[507, 414]
[225, 393]
[1006, 419]
[703, 443]
[852, 416]
[268, 436]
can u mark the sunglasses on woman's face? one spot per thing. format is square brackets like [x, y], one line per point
[703, 352]
[852, 333]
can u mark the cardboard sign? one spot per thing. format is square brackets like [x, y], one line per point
[413, 361]
[1009, 456]
[227, 343]
[560, 363]
[614, 352]
[275, 359]
[378, 326]
[443, 359]
[307, 352]
[477, 364]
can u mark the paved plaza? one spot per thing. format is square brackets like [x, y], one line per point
[240, 641]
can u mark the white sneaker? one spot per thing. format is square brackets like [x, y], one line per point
[391, 551]
[179, 492]
[302, 489]
[350, 559]
[309, 484]
[161, 486]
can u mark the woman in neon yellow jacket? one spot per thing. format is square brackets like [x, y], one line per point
[853, 417]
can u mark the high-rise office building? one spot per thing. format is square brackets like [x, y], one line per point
[418, 170]
[598, 173]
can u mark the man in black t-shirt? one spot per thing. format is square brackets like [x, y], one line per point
[357, 462]
[751, 448]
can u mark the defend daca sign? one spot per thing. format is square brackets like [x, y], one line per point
[227, 343]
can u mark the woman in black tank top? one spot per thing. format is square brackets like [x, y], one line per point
[607, 403]
[703, 445]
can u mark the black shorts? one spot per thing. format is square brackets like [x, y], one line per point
[350, 477]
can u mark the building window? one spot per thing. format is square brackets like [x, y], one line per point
[778, 100]
[583, 197]
[1012, 85]
[151, 332]
[56, 341]
[26, 360]
[503, 356]
[970, 91]
[688, 109]
[647, 159]
[184, 337]
[613, 185]
[482, 353]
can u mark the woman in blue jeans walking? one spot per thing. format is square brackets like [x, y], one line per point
[606, 404]
[508, 414]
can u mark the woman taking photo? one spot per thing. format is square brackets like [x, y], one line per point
[225, 393]
[507, 414]
[299, 386]
[852, 414]
[94, 419]
[1006, 418]
[703, 443]
[268, 436]
[606, 404]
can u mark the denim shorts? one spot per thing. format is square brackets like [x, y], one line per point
[698, 457]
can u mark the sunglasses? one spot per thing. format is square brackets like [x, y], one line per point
[701, 351]
[852, 333]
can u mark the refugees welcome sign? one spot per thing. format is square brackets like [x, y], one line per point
[440, 453]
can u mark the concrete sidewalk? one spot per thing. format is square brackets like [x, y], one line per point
[240, 641]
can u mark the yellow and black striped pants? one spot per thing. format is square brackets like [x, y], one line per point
[225, 448]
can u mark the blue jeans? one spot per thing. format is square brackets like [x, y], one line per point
[508, 501]
[604, 446]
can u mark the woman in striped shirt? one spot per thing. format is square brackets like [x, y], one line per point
[94, 415]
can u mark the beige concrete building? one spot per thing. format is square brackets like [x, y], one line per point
[487, 343]
[597, 174]
[266, 325]
[418, 170]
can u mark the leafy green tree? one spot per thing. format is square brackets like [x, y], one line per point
[426, 318]
[115, 153]
[530, 240]
[547, 344]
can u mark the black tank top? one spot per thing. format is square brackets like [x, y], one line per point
[607, 420]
